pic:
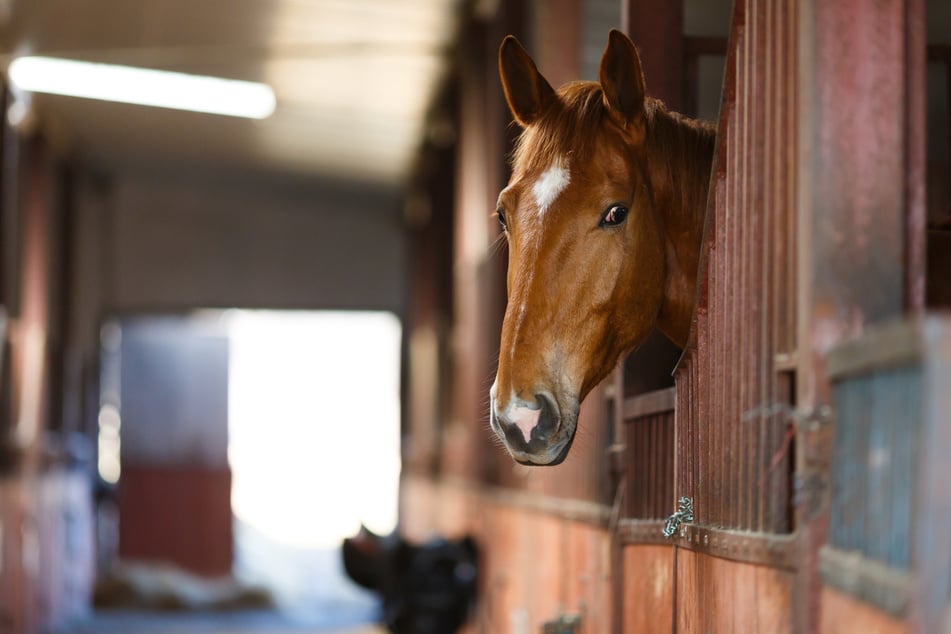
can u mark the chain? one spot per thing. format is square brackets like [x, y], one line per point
[684, 514]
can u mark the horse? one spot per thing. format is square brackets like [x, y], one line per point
[604, 218]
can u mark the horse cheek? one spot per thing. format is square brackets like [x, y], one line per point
[601, 327]
[640, 301]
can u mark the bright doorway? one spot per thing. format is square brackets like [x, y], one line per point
[314, 446]
[300, 410]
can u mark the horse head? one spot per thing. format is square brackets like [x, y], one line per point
[588, 244]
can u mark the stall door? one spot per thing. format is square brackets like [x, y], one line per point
[734, 561]
[175, 484]
[719, 448]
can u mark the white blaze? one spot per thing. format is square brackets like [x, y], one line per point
[550, 185]
[526, 419]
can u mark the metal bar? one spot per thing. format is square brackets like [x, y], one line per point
[915, 151]
[633, 531]
[732, 514]
[888, 346]
[931, 555]
[778, 551]
[882, 586]
[650, 403]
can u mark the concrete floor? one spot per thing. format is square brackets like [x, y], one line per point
[245, 622]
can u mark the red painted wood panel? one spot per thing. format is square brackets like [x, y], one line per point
[535, 564]
[718, 595]
[19, 565]
[180, 515]
[841, 613]
[648, 589]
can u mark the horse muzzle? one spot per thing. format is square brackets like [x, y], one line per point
[535, 433]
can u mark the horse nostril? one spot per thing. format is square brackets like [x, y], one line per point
[550, 417]
[528, 426]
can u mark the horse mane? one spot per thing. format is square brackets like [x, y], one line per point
[681, 155]
[680, 148]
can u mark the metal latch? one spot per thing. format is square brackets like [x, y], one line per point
[684, 514]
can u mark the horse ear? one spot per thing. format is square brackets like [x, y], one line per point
[526, 91]
[622, 79]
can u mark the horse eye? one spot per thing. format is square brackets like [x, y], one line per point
[614, 216]
[500, 214]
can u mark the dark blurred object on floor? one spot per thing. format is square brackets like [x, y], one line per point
[428, 588]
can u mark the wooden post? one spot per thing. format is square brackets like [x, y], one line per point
[861, 172]
[656, 27]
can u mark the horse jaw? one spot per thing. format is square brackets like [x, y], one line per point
[676, 311]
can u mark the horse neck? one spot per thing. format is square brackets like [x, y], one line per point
[680, 155]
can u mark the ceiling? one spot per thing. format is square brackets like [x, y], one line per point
[353, 79]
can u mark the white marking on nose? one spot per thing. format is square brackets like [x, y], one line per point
[551, 183]
[526, 419]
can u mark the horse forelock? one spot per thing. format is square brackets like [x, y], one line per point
[578, 124]
[571, 126]
[568, 130]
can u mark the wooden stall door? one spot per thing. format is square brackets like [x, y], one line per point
[723, 437]
[175, 489]
[734, 562]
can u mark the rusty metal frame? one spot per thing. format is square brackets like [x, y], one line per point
[770, 549]
[778, 551]
[656, 402]
[873, 582]
[734, 401]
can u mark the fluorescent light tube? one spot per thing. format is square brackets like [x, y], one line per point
[143, 86]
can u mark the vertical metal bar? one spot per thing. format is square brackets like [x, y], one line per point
[876, 476]
[681, 404]
[791, 167]
[737, 277]
[720, 334]
[782, 295]
[669, 491]
[915, 153]
[904, 452]
[838, 482]
[684, 447]
[664, 449]
[664, 475]
[700, 390]
[650, 426]
[680, 411]
[720, 406]
[766, 254]
[647, 436]
[666, 481]
[932, 548]
[698, 430]
[754, 265]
